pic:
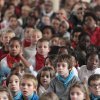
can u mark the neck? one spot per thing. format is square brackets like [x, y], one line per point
[66, 75]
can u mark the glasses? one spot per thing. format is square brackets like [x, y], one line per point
[95, 85]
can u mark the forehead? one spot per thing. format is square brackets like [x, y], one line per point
[95, 81]
[14, 77]
[45, 73]
[43, 43]
[14, 42]
[94, 56]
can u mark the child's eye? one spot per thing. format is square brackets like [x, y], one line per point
[29, 85]
[16, 81]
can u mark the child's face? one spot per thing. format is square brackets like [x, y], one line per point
[55, 41]
[14, 83]
[76, 35]
[95, 87]
[13, 22]
[62, 69]
[27, 87]
[47, 33]
[43, 48]
[93, 62]
[76, 94]
[35, 37]
[6, 38]
[14, 48]
[28, 33]
[4, 95]
[73, 61]
[45, 78]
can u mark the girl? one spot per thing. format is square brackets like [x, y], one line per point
[13, 82]
[14, 56]
[78, 92]
[44, 77]
[5, 94]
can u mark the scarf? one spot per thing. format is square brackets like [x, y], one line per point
[11, 60]
[94, 97]
[39, 61]
[66, 80]
[18, 95]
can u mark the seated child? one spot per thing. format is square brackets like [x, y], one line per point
[94, 86]
[14, 56]
[78, 91]
[5, 93]
[65, 78]
[49, 96]
[92, 67]
[44, 77]
[5, 37]
[29, 87]
[31, 50]
[13, 82]
[43, 48]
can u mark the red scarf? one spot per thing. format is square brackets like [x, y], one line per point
[39, 61]
[11, 60]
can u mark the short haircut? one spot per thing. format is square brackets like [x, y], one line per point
[43, 40]
[29, 76]
[63, 58]
[15, 39]
[93, 77]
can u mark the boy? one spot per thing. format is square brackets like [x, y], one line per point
[35, 36]
[94, 86]
[29, 87]
[65, 78]
[43, 48]
[92, 67]
[6, 36]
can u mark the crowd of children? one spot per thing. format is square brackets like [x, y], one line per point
[48, 53]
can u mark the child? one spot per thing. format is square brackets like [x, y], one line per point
[48, 32]
[92, 67]
[13, 82]
[49, 96]
[44, 77]
[78, 92]
[65, 78]
[5, 94]
[94, 86]
[31, 50]
[29, 87]
[14, 56]
[43, 48]
[6, 36]
[27, 36]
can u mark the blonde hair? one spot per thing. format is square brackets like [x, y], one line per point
[37, 30]
[8, 32]
[31, 77]
[26, 8]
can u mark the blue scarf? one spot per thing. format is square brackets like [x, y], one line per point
[93, 97]
[18, 95]
[31, 97]
[66, 80]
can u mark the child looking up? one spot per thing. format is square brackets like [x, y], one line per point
[65, 78]
[14, 56]
[43, 48]
[29, 87]
[94, 86]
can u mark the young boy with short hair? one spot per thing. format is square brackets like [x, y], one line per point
[43, 48]
[29, 87]
[65, 78]
[94, 86]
